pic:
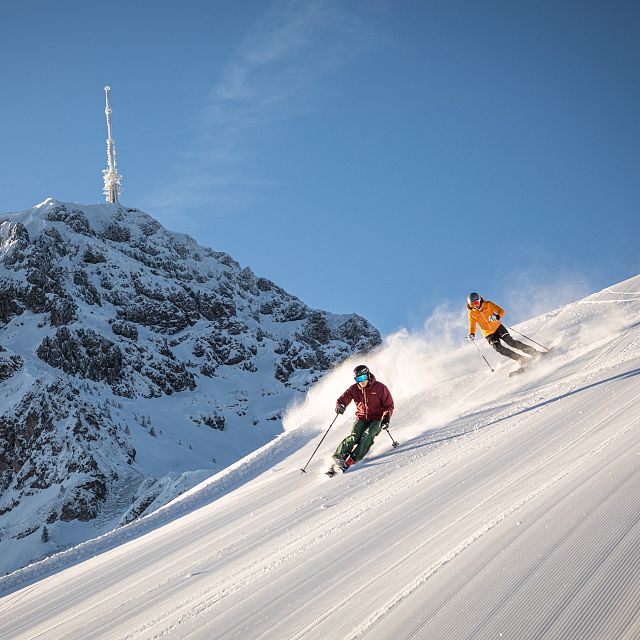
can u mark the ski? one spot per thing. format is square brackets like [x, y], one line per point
[531, 362]
[337, 465]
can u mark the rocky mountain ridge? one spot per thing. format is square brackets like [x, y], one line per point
[135, 363]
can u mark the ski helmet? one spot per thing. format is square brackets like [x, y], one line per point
[473, 297]
[361, 370]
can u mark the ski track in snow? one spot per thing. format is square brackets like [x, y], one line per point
[465, 544]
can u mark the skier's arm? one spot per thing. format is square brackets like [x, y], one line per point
[387, 401]
[496, 312]
[345, 398]
[387, 405]
[472, 324]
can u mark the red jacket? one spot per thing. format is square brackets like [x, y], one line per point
[371, 402]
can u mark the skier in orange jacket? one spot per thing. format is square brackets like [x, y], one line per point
[487, 314]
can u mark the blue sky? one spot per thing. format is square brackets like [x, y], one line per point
[376, 157]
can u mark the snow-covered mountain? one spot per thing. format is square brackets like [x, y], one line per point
[134, 363]
[511, 510]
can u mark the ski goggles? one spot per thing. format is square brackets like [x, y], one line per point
[476, 303]
[362, 377]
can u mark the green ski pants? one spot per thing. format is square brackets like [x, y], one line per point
[361, 437]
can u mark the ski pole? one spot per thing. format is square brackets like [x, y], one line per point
[528, 338]
[395, 444]
[319, 443]
[480, 352]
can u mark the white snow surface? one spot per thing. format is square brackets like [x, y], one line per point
[511, 509]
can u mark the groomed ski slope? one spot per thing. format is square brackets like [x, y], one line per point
[510, 510]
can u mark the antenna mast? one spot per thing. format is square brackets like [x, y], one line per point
[111, 176]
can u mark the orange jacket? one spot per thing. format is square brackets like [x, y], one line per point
[481, 317]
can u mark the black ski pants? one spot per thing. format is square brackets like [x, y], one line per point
[501, 333]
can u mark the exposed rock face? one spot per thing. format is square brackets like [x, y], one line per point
[56, 438]
[104, 315]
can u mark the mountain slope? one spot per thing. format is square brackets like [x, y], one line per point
[134, 363]
[510, 510]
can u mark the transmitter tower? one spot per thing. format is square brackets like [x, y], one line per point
[111, 176]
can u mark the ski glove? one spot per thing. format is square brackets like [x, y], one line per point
[384, 423]
[494, 317]
[340, 408]
[471, 337]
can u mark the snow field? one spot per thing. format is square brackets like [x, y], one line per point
[511, 509]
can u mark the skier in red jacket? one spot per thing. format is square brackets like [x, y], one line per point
[374, 406]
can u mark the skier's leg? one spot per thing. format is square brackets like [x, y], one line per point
[368, 436]
[516, 344]
[345, 447]
[494, 341]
